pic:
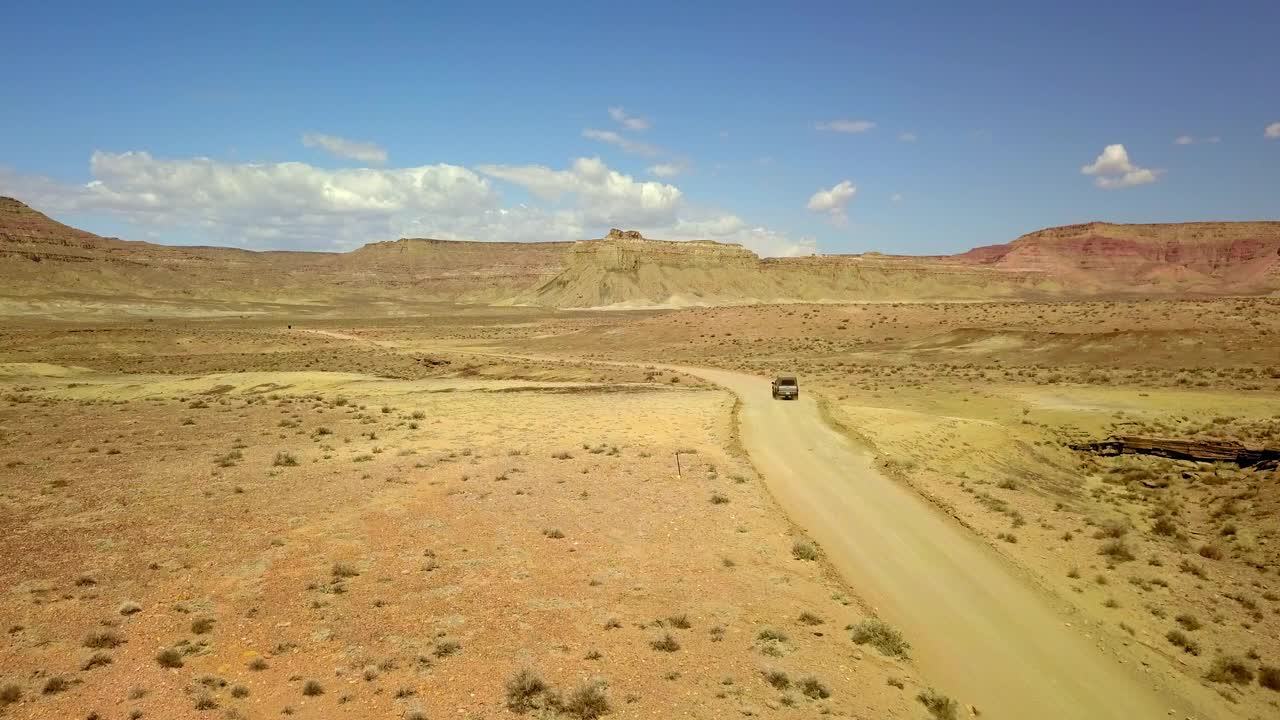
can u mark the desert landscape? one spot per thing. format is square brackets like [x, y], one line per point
[432, 479]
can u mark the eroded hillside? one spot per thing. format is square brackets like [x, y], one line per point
[47, 265]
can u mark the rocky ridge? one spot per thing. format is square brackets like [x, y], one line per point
[42, 258]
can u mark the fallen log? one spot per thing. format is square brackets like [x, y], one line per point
[1179, 449]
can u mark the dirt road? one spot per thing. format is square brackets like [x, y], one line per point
[979, 629]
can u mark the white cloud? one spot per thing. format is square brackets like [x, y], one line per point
[846, 126]
[729, 228]
[1192, 140]
[630, 122]
[895, 198]
[605, 195]
[295, 205]
[908, 137]
[627, 144]
[365, 152]
[1273, 131]
[1112, 169]
[666, 170]
[833, 202]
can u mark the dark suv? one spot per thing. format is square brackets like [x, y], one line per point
[785, 387]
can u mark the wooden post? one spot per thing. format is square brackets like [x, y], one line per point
[679, 471]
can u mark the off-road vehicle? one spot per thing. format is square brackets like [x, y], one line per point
[785, 387]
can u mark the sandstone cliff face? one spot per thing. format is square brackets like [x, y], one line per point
[40, 257]
[1210, 257]
[626, 269]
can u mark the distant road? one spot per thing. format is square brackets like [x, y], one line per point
[979, 630]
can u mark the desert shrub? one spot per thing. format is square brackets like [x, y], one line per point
[1268, 677]
[130, 608]
[1164, 525]
[229, 459]
[1188, 622]
[10, 694]
[445, 648]
[813, 688]
[258, 664]
[1230, 669]
[680, 621]
[882, 636]
[284, 459]
[523, 689]
[206, 702]
[808, 618]
[719, 499]
[553, 533]
[311, 688]
[769, 634]
[97, 659]
[1191, 568]
[1116, 550]
[666, 643]
[587, 702]
[103, 640]
[940, 706]
[777, 679]
[1111, 529]
[239, 691]
[169, 658]
[344, 570]
[1178, 638]
[55, 685]
[200, 626]
[802, 549]
[1212, 552]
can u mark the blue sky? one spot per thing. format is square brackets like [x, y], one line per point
[982, 116]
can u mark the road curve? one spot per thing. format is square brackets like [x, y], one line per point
[983, 633]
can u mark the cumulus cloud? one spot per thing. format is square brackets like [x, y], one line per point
[630, 122]
[1183, 140]
[833, 202]
[605, 195]
[846, 126]
[634, 147]
[908, 137]
[278, 205]
[1112, 170]
[1273, 131]
[666, 170]
[294, 205]
[365, 152]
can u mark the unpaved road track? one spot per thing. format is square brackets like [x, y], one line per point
[978, 629]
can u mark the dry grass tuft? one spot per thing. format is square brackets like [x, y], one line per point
[882, 636]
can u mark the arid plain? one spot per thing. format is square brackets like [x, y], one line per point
[243, 485]
[380, 518]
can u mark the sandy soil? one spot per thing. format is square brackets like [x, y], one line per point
[223, 545]
[1165, 570]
